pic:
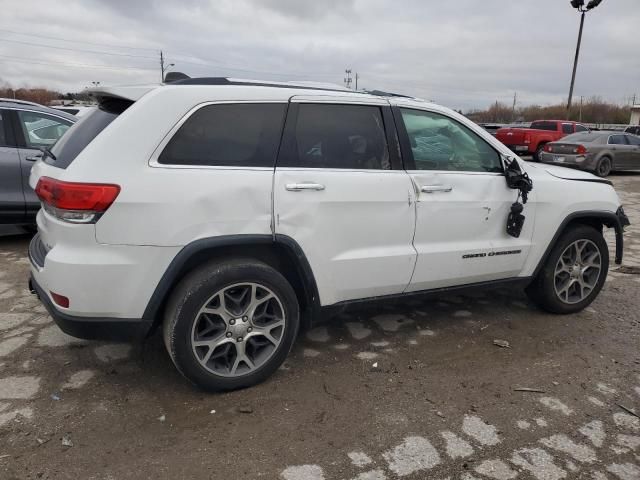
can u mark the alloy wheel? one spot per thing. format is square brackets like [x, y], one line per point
[238, 329]
[577, 271]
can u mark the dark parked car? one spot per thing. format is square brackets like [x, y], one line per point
[25, 129]
[598, 152]
[633, 129]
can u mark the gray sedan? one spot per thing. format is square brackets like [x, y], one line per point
[598, 152]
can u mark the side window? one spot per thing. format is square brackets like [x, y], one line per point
[633, 140]
[231, 135]
[40, 129]
[567, 128]
[441, 143]
[3, 135]
[617, 140]
[581, 128]
[338, 136]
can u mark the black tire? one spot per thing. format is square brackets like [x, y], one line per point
[543, 289]
[538, 153]
[604, 167]
[196, 290]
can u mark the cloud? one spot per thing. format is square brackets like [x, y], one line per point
[463, 54]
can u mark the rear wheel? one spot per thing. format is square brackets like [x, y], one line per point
[574, 272]
[231, 325]
[603, 169]
[538, 153]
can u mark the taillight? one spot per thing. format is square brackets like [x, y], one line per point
[548, 148]
[75, 202]
[527, 138]
[580, 150]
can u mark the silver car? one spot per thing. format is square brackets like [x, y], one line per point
[25, 129]
[597, 152]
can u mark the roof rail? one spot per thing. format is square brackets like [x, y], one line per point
[259, 83]
[22, 102]
[381, 93]
[179, 78]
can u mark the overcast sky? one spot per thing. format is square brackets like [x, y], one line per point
[461, 53]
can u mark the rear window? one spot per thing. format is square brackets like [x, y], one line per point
[83, 132]
[228, 135]
[551, 126]
[580, 137]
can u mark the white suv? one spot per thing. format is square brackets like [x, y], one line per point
[232, 213]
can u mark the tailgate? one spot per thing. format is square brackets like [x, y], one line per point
[511, 136]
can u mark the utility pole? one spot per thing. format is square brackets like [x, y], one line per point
[347, 79]
[581, 101]
[356, 81]
[161, 67]
[513, 110]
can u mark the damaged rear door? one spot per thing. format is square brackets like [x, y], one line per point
[463, 202]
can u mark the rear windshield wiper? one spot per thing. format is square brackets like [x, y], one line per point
[47, 153]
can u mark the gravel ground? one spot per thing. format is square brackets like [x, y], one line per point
[415, 390]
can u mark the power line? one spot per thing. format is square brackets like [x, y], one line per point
[77, 41]
[77, 49]
[79, 65]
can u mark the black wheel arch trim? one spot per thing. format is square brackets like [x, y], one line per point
[175, 268]
[616, 221]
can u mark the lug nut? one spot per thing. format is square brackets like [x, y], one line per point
[245, 318]
[229, 334]
[249, 329]
[232, 322]
[239, 339]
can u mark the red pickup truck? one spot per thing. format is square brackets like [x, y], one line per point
[531, 141]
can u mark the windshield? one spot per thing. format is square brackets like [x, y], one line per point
[82, 133]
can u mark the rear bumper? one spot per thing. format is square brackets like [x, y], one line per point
[91, 327]
[582, 162]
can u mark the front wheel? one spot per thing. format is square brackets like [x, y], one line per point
[574, 273]
[231, 324]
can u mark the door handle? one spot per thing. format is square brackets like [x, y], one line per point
[298, 187]
[436, 188]
[33, 158]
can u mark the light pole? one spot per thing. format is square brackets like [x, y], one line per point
[579, 5]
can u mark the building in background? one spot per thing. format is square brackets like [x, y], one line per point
[635, 115]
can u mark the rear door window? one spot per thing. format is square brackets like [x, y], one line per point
[41, 130]
[228, 135]
[633, 140]
[338, 136]
[84, 131]
[581, 128]
[567, 128]
[617, 140]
